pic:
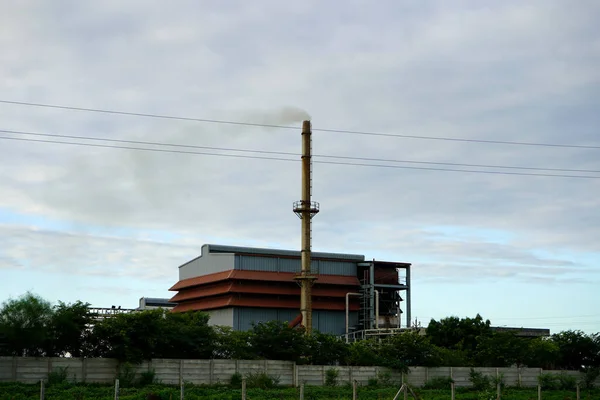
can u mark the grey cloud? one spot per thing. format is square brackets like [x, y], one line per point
[506, 71]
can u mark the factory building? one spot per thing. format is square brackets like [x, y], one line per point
[239, 286]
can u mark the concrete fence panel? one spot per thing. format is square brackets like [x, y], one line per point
[168, 371]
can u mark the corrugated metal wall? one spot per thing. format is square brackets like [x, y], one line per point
[333, 322]
[275, 264]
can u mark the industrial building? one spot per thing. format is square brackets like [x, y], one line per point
[239, 286]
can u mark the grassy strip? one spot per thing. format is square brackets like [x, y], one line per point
[16, 391]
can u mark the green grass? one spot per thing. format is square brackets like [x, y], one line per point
[16, 391]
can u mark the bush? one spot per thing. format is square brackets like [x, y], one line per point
[439, 383]
[58, 376]
[566, 382]
[261, 380]
[126, 375]
[589, 377]
[384, 378]
[147, 378]
[331, 377]
[479, 381]
[548, 381]
[236, 380]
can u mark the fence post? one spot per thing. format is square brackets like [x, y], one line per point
[578, 393]
[539, 392]
[452, 390]
[181, 388]
[302, 391]
[116, 389]
[405, 392]
[354, 389]
[498, 391]
[243, 388]
[42, 391]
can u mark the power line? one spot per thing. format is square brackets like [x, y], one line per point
[342, 131]
[294, 160]
[293, 154]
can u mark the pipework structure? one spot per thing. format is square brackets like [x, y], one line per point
[306, 209]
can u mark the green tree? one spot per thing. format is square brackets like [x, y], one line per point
[500, 349]
[577, 351]
[458, 333]
[325, 349]
[275, 340]
[69, 329]
[24, 324]
[411, 349]
[541, 353]
[232, 344]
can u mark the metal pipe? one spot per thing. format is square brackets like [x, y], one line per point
[376, 309]
[305, 296]
[348, 312]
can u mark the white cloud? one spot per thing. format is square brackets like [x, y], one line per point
[491, 70]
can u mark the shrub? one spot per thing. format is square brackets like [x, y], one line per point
[126, 375]
[566, 382]
[439, 383]
[479, 381]
[331, 377]
[261, 380]
[384, 378]
[589, 377]
[147, 378]
[548, 381]
[58, 376]
[236, 380]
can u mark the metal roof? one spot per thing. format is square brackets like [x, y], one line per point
[217, 248]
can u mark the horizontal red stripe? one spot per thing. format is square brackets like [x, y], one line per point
[230, 300]
[287, 277]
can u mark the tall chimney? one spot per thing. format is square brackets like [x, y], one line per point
[305, 209]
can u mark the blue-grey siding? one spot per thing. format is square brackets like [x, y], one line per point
[276, 264]
[333, 322]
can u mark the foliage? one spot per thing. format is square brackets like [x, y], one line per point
[261, 380]
[58, 376]
[577, 350]
[147, 377]
[499, 349]
[126, 375]
[275, 340]
[31, 326]
[164, 392]
[236, 380]
[479, 381]
[438, 382]
[590, 376]
[458, 333]
[24, 324]
[331, 377]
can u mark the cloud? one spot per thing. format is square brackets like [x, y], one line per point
[492, 71]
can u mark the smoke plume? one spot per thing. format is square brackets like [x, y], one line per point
[282, 116]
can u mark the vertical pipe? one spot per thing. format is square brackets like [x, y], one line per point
[376, 309]
[408, 301]
[371, 295]
[348, 312]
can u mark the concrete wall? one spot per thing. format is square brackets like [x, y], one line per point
[32, 370]
[207, 263]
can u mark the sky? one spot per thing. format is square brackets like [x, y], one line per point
[109, 225]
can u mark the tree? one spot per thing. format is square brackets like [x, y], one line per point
[457, 333]
[69, 329]
[234, 345]
[411, 349]
[324, 349]
[24, 323]
[275, 340]
[541, 353]
[500, 349]
[577, 351]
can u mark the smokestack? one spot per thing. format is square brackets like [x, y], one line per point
[305, 209]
